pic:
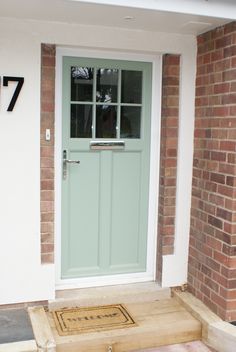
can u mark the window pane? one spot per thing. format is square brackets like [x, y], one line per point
[81, 83]
[106, 117]
[107, 81]
[130, 122]
[81, 121]
[131, 87]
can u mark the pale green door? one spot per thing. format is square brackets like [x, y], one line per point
[106, 127]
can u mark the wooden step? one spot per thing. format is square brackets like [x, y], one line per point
[159, 323]
[139, 292]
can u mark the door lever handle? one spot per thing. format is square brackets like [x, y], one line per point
[67, 161]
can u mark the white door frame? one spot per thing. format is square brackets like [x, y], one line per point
[150, 274]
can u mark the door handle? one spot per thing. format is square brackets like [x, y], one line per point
[67, 161]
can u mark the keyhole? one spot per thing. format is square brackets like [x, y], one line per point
[109, 349]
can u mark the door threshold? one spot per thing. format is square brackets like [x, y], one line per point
[106, 280]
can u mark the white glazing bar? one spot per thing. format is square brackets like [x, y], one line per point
[82, 102]
[94, 102]
[131, 104]
[118, 122]
[107, 104]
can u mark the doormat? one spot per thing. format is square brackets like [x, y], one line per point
[72, 321]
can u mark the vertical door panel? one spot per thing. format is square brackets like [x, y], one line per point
[83, 214]
[125, 218]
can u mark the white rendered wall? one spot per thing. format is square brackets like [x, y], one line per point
[22, 277]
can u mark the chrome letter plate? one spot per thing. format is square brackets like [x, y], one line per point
[107, 145]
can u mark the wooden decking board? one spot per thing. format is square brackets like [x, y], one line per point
[42, 330]
[158, 323]
[217, 333]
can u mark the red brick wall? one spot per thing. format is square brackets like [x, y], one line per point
[168, 157]
[212, 254]
[48, 52]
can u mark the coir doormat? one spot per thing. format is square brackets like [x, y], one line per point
[71, 321]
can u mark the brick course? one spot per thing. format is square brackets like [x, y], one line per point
[212, 252]
[168, 157]
[48, 53]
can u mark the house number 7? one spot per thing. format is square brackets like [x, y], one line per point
[20, 82]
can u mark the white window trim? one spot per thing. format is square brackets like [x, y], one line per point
[150, 274]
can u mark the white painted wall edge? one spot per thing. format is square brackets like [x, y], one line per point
[42, 289]
[219, 9]
[22, 277]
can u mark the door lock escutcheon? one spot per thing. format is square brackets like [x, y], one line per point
[67, 161]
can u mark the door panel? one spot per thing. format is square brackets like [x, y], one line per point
[125, 209]
[105, 197]
[83, 199]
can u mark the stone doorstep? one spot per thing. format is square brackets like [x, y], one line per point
[138, 292]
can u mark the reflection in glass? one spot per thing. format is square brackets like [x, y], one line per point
[106, 117]
[81, 121]
[130, 122]
[81, 83]
[107, 81]
[131, 87]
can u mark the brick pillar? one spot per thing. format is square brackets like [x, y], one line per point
[212, 255]
[168, 158]
[47, 152]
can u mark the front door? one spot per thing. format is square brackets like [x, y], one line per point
[106, 156]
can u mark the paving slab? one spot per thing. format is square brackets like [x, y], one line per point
[15, 326]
